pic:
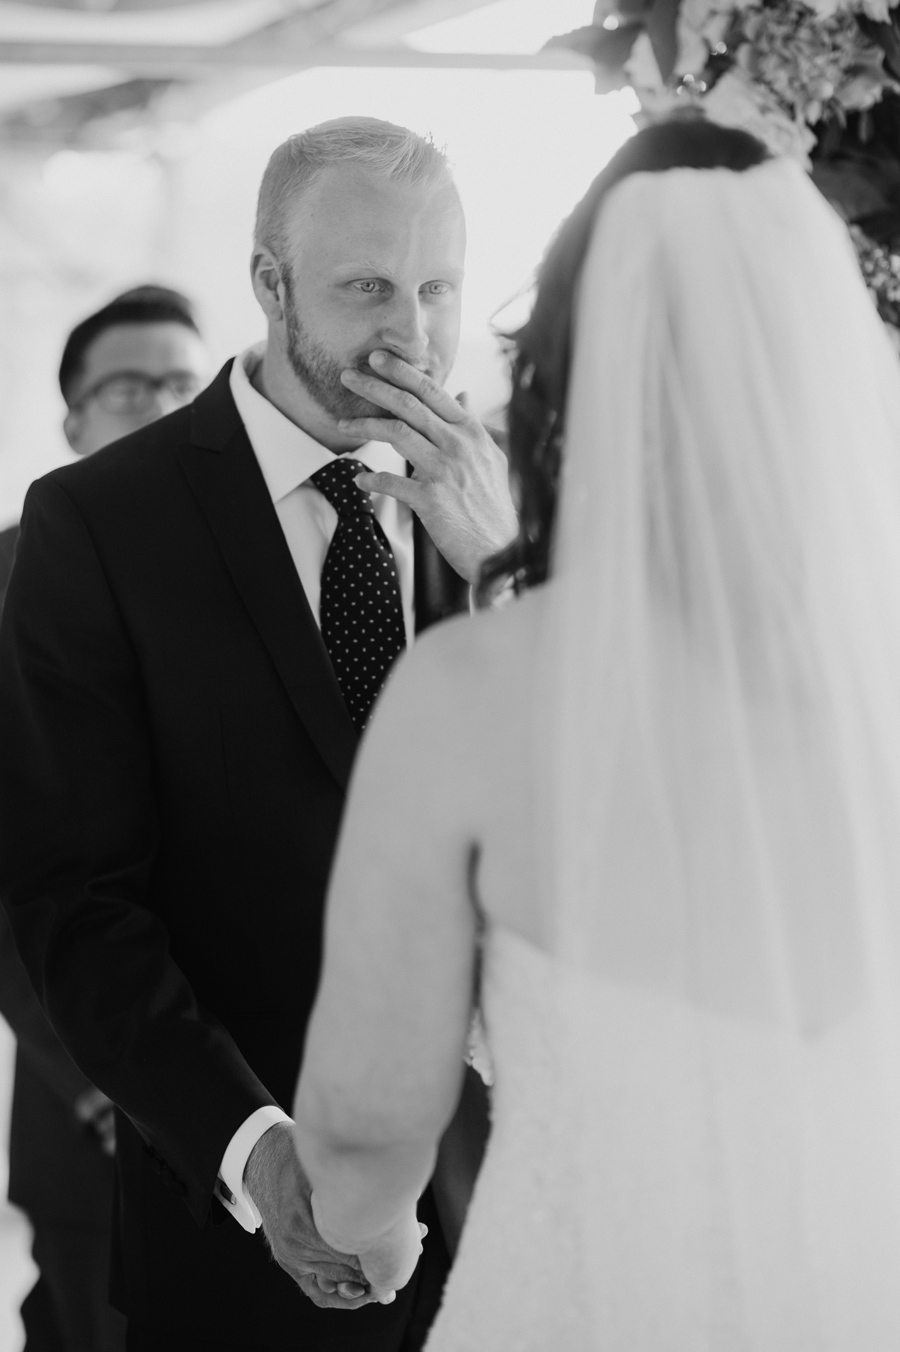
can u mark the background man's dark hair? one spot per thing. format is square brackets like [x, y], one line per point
[141, 305]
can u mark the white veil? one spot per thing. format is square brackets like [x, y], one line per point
[724, 776]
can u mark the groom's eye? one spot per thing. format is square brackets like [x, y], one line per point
[369, 285]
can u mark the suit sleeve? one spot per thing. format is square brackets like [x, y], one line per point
[80, 832]
[37, 1041]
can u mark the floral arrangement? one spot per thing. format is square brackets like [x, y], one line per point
[816, 79]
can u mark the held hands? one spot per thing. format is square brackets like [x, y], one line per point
[389, 1264]
[460, 483]
[389, 1261]
[281, 1193]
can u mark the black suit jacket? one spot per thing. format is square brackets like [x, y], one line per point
[57, 1170]
[175, 756]
[8, 539]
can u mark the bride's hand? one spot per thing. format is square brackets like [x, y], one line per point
[390, 1262]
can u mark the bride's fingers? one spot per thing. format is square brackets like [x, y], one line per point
[351, 1290]
[326, 1300]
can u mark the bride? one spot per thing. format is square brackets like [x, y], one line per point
[648, 815]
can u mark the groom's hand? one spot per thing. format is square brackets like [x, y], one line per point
[460, 483]
[277, 1184]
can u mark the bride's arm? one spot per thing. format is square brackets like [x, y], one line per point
[383, 1063]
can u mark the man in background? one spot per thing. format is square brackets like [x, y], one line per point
[138, 358]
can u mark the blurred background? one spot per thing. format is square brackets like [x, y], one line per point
[133, 134]
[133, 137]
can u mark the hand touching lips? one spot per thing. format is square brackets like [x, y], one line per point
[460, 483]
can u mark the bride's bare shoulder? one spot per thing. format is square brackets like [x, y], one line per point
[483, 648]
[451, 733]
[468, 678]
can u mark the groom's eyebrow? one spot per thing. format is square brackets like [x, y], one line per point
[366, 265]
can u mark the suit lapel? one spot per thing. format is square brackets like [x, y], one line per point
[226, 480]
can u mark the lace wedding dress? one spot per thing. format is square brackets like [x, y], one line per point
[519, 1282]
[715, 1230]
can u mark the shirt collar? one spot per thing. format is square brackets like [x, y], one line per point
[287, 455]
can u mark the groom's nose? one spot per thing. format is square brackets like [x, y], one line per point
[403, 330]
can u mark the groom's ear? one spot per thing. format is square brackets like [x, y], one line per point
[268, 286]
[73, 426]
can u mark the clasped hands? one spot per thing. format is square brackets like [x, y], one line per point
[331, 1280]
[459, 487]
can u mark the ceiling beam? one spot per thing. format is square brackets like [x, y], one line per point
[188, 61]
[310, 27]
[384, 27]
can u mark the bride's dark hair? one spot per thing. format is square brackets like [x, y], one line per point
[540, 369]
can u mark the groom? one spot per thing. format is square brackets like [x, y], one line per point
[198, 622]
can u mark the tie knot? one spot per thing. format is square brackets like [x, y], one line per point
[335, 482]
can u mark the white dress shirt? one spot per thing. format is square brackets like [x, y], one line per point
[287, 457]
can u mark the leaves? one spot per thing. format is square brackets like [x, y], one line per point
[857, 167]
[662, 29]
[885, 36]
[608, 48]
[850, 188]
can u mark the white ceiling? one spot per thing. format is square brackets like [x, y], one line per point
[209, 21]
[54, 50]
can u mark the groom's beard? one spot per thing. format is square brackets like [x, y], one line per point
[319, 372]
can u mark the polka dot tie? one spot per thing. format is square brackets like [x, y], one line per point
[360, 609]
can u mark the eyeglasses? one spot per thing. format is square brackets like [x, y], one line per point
[133, 392]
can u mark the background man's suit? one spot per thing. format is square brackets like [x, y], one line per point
[8, 538]
[174, 725]
[58, 1173]
[60, 1177]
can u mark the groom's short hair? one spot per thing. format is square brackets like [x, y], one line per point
[381, 148]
